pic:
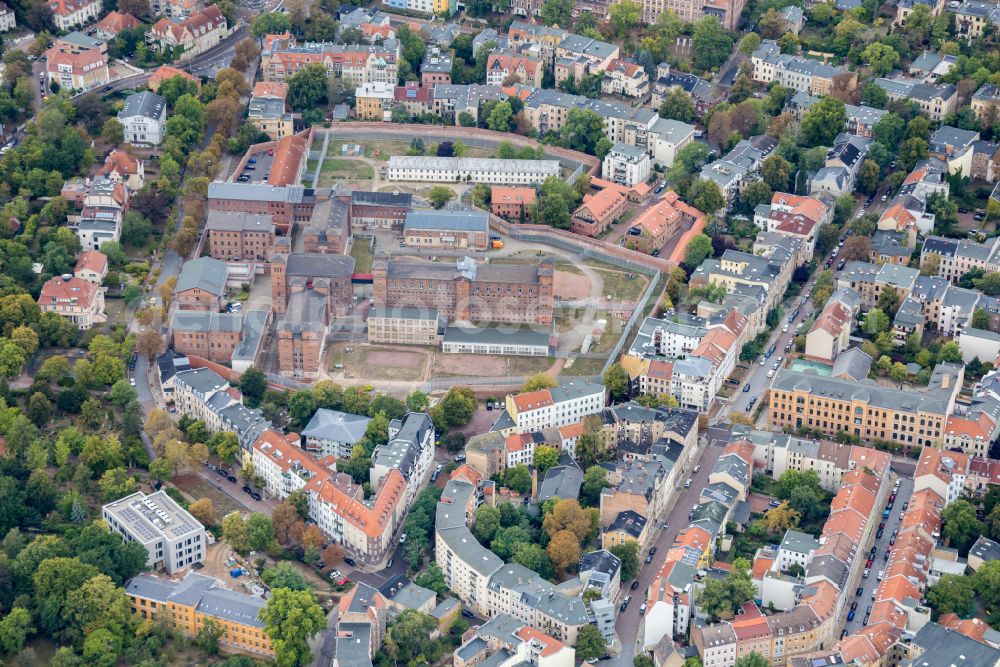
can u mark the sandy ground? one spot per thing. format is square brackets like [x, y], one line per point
[395, 359]
[468, 364]
[571, 285]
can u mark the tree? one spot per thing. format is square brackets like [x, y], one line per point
[987, 583]
[564, 550]
[594, 479]
[518, 479]
[538, 381]
[823, 122]
[545, 457]
[584, 131]
[724, 596]
[98, 605]
[101, 649]
[456, 408]
[557, 12]
[677, 105]
[590, 643]
[689, 159]
[776, 170]
[710, 44]
[14, 629]
[869, 176]
[12, 358]
[409, 640]
[54, 579]
[253, 384]
[439, 195]
[203, 509]
[699, 249]
[270, 23]
[628, 553]
[284, 575]
[752, 659]
[953, 594]
[624, 16]
[706, 196]
[781, 518]
[567, 515]
[961, 527]
[756, 193]
[980, 319]
[291, 618]
[857, 248]
[235, 532]
[308, 87]
[617, 381]
[500, 117]
[487, 523]
[880, 58]
[39, 409]
[643, 660]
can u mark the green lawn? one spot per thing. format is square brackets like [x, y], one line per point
[362, 253]
[336, 169]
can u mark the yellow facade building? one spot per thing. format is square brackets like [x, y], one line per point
[196, 600]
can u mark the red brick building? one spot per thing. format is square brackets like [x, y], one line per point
[512, 203]
[235, 237]
[467, 291]
[285, 205]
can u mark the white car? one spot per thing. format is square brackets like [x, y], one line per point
[402, 538]
[881, 573]
[784, 329]
[770, 373]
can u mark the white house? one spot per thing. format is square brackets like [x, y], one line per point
[563, 405]
[143, 118]
[70, 13]
[7, 20]
[626, 165]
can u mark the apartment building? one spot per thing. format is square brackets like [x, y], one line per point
[972, 17]
[120, 167]
[505, 66]
[738, 167]
[77, 71]
[936, 100]
[985, 101]
[870, 412]
[625, 78]
[77, 299]
[644, 489]
[956, 257]
[626, 165]
[195, 601]
[513, 204]
[92, 266]
[355, 64]
[599, 210]
[698, 89]
[795, 216]
[830, 333]
[203, 394]
[334, 433]
[735, 269]
[567, 403]
[404, 326]
[484, 292]
[379, 210]
[267, 110]
[577, 56]
[801, 74]
[238, 237]
[727, 12]
[452, 229]
[658, 223]
[68, 14]
[285, 205]
[207, 334]
[192, 35]
[173, 539]
[546, 110]
[365, 528]
[374, 101]
[506, 641]
[408, 168]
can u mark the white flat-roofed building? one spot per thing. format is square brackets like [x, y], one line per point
[491, 340]
[626, 165]
[173, 538]
[472, 170]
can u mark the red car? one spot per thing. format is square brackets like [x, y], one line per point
[869, 563]
[343, 581]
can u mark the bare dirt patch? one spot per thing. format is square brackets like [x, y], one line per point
[196, 487]
[395, 359]
[468, 364]
[571, 285]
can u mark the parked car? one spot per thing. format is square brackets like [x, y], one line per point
[635, 584]
[468, 614]
[349, 561]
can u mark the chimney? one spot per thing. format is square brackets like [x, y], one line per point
[945, 380]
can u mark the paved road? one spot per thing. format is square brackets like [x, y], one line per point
[869, 585]
[628, 622]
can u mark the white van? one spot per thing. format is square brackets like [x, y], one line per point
[642, 609]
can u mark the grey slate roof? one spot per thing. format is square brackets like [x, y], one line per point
[319, 265]
[629, 522]
[561, 482]
[336, 426]
[204, 273]
[146, 104]
[448, 220]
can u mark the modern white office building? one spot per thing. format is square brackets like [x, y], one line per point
[173, 538]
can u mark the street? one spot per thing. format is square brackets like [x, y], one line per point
[868, 585]
[628, 622]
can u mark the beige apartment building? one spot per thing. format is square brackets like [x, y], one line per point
[404, 326]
